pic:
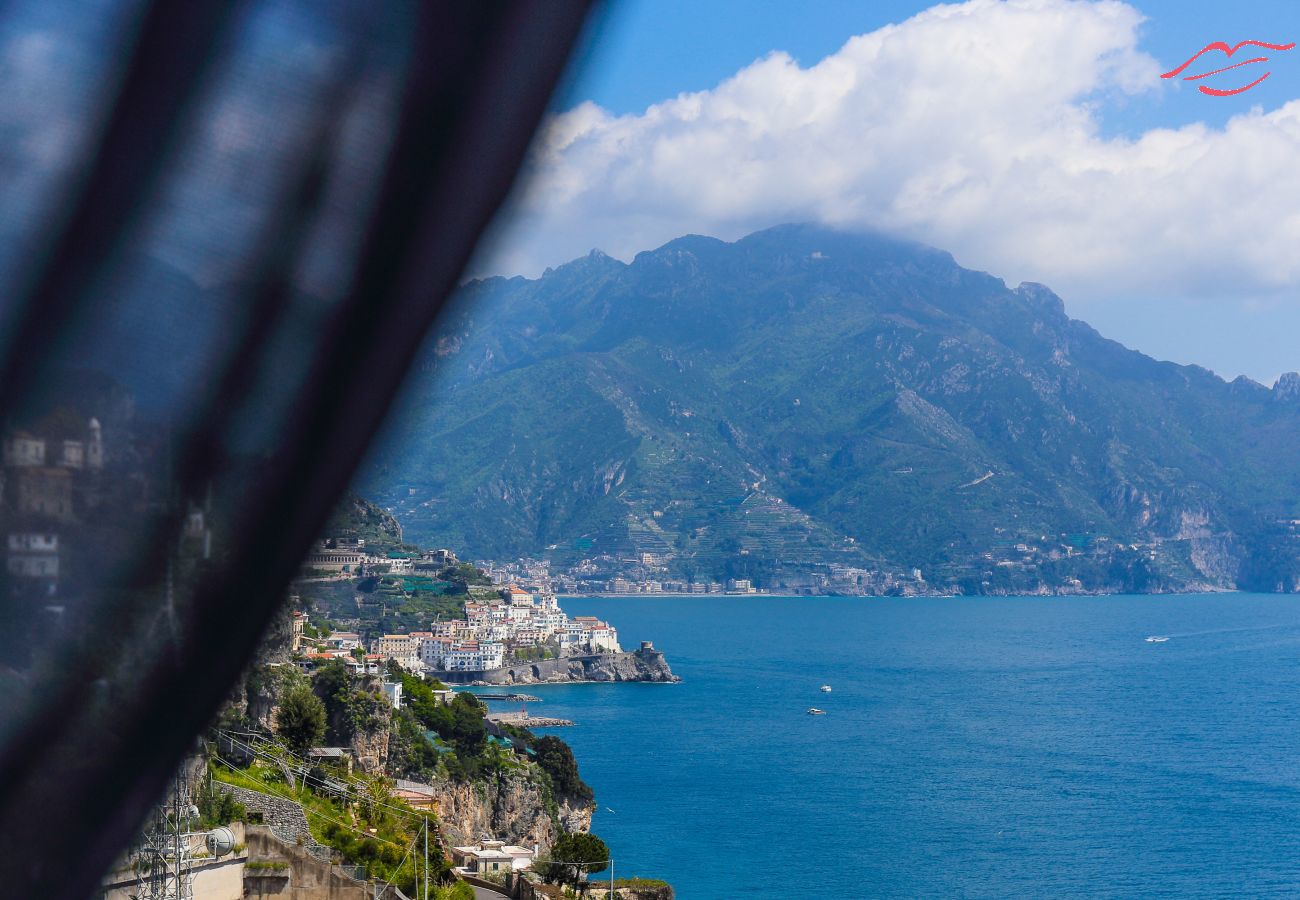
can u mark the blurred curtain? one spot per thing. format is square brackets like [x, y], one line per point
[227, 228]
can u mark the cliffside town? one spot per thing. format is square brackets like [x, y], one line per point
[376, 600]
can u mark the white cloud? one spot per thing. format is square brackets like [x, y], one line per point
[972, 127]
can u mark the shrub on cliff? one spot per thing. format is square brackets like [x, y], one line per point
[332, 680]
[352, 705]
[220, 808]
[300, 721]
[557, 760]
[459, 723]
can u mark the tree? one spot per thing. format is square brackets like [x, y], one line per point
[468, 734]
[556, 759]
[332, 680]
[573, 856]
[300, 721]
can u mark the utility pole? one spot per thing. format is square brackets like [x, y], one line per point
[426, 858]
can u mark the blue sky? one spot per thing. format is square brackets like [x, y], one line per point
[1032, 139]
[1228, 302]
[649, 50]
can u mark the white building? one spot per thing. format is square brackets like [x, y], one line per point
[519, 614]
[474, 656]
[434, 650]
[393, 693]
[604, 639]
[334, 559]
[492, 858]
[343, 640]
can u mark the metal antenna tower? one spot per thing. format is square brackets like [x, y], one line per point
[164, 860]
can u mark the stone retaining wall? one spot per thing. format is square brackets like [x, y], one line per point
[284, 817]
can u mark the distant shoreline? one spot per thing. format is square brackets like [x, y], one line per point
[608, 595]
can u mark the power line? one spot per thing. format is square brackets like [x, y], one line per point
[306, 777]
[270, 789]
[304, 773]
[357, 787]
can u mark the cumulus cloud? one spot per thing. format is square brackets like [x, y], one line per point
[971, 126]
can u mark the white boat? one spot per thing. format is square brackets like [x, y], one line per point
[826, 688]
[814, 711]
[1157, 639]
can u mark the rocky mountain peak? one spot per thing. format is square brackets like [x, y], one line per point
[1287, 387]
[1041, 297]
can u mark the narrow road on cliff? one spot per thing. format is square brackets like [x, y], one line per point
[482, 893]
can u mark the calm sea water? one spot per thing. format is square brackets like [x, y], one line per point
[972, 747]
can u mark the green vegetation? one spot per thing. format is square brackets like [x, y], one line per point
[640, 888]
[392, 603]
[358, 815]
[572, 857]
[300, 721]
[459, 723]
[742, 407]
[376, 831]
[352, 706]
[357, 518]
[456, 891]
[219, 808]
[557, 761]
[266, 865]
[324, 630]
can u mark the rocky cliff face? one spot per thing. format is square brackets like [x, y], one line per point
[512, 809]
[371, 749]
[646, 664]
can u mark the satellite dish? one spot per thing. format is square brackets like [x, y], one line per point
[221, 841]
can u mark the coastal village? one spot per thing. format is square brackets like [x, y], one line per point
[518, 622]
[497, 625]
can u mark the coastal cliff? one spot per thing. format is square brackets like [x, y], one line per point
[512, 809]
[646, 664]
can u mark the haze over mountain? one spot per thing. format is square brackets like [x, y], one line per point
[803, 399]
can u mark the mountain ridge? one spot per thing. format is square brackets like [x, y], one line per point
[617, 410]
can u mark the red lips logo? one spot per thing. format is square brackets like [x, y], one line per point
[1220, 45]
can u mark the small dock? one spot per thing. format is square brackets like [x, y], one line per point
[524, 720]
[513, 698]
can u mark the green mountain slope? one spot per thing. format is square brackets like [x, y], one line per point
[803, 399]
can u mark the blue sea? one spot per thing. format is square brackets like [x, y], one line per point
[999, 747]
